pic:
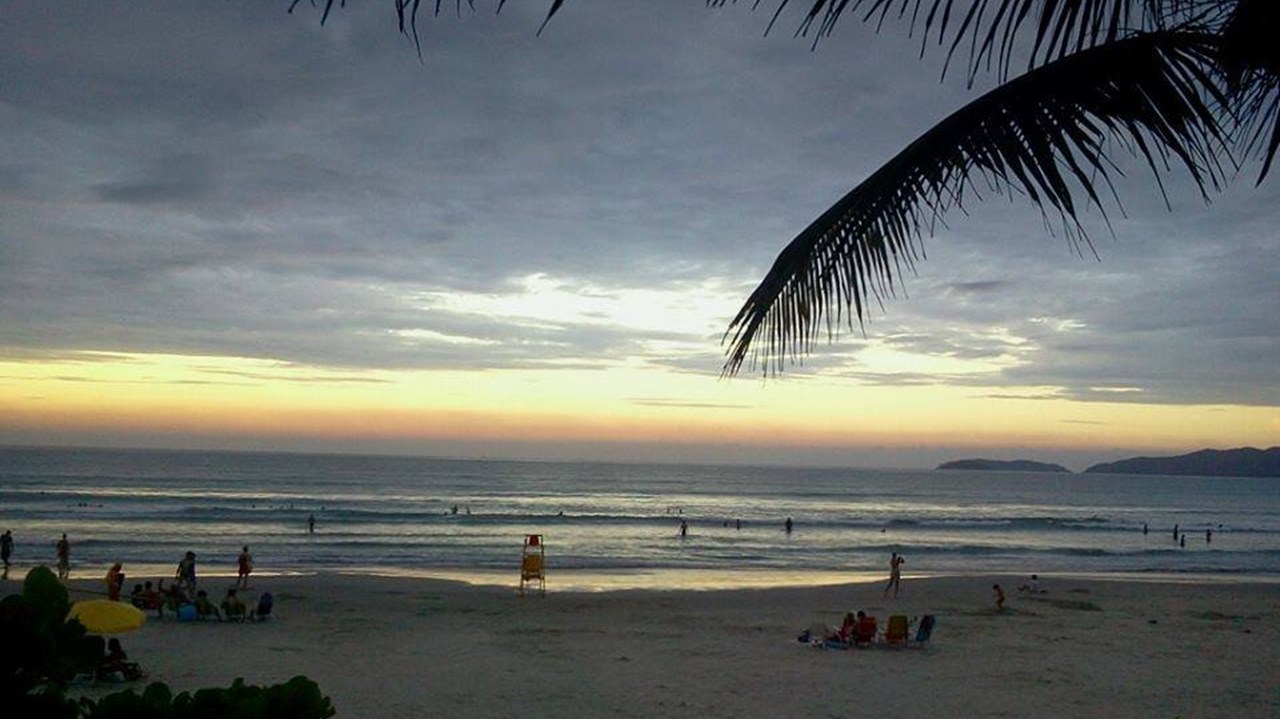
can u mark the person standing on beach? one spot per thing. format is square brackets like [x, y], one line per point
[64, 558]
[787, 525]
[311, 524]
[6, 550]
[115, 581]
[999, 593]
[684, 529]
[244, 565]
[186, 572]
[895, 575]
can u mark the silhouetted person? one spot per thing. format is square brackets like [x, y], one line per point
[64, 557]
[311, 524]
[788, 525]
[6, 550]
[244, 565]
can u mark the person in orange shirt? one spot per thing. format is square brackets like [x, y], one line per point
[115, 580]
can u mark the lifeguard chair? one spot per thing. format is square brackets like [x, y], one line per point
[533, 564]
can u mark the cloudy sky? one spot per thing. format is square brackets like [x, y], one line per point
[224, 225]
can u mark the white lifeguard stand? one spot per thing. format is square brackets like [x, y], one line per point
[533, 565]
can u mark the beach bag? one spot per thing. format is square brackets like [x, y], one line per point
[265, 603]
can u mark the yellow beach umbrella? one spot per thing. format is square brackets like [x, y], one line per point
[103, 616]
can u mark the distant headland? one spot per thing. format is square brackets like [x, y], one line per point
[999, 465]
[1242, 462]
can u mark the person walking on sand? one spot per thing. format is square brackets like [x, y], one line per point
[244, 565]
[684, 529]
[999, 594]
[311, 524]
[787, 525]
[895, 575]
[6, 550]
[115, 581]
[64, 558]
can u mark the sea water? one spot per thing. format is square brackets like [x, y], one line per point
[618, 524]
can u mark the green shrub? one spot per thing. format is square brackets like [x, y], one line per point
[298, 698]
[42, 651]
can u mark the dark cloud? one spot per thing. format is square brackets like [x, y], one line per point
[172, 179]
[229, 179]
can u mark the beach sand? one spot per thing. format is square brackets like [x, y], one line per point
[404, 647]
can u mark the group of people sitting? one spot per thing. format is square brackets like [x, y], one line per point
[185, 607]
[115, 665]
[859, 629]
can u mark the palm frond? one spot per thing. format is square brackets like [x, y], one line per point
[1250, 61]
[991, 29]
[1038, 134]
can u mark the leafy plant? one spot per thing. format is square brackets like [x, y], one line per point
[42, 651]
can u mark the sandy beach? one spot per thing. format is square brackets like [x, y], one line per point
[406, 647]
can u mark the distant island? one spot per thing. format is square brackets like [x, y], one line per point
[1243, 462]
[998, 465]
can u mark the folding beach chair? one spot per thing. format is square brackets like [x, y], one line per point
[864, 632]
[923, 633]
[895, 635]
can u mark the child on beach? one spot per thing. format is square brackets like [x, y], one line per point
[244, 565]
[232, 607]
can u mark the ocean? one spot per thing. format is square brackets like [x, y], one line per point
[617, 525]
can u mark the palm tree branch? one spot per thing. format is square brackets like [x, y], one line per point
[1038, 134]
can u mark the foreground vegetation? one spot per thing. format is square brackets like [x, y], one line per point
[44, 653]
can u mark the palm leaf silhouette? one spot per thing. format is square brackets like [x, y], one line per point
[1038, 134]
[1175, 81]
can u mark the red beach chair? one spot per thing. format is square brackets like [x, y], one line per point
[864, 632]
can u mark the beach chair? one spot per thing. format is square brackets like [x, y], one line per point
[533, 564]
[262, 612]
[895, 635]
[923, 632]
[864, 632]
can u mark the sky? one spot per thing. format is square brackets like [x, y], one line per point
[224, 225]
